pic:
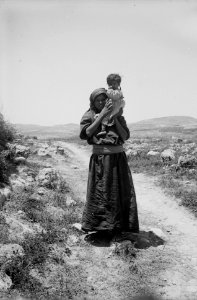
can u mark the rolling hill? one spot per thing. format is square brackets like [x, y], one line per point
[163, 124]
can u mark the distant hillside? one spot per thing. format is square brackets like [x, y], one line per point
[63, 131]
[183, 122]
[163, 124]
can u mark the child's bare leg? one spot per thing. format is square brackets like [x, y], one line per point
[103, 130]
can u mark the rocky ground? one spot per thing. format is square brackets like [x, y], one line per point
[45, 255]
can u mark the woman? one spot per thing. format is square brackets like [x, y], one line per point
[111, 201]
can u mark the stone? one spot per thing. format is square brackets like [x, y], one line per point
[77, 226]
[125, 248]
[168, 155]
[43, 152]
[5, 282]
[187, 161]
[21, 214]
[131, 152]
[192, 171]
[56, 213]
[69, 201]
[9, 252]
[153, 153]
[6, 192]
[29, 179]
[22, 151]
[72, 240]
[16, 228]
[17, 183]
[48, 177]
[60, 150]
[41, 191]
[20, 160]
[158, 232]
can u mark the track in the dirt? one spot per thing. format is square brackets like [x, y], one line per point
[170, 270]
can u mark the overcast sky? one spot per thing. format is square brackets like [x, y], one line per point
[54, 53]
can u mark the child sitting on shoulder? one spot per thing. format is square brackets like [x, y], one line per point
[114, 93]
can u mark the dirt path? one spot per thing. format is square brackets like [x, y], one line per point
[168, 270]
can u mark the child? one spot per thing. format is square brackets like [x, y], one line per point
[115, 94]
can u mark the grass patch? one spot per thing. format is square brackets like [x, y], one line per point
[146, 164]
[179, 182]
[36, 251]
[7, 134]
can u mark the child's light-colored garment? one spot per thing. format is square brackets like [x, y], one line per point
[117, 101]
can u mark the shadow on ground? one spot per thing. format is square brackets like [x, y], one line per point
[141, 240]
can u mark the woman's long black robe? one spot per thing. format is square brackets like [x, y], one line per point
[111, 200]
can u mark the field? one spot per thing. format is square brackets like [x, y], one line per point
[176, 177]
[46, 255]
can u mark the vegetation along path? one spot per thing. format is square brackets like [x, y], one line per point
[164, 261]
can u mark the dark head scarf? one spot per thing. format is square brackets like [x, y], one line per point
[95, 94]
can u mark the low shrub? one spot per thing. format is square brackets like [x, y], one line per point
[7, 134]
[36, 252]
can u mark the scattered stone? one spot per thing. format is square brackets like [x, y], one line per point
[16, 229]
[177, 140]
[20, 160]
[60, 150]
[168, 155]
[30, 179]
[125, 248]
[58, 253]
[48, 177]
[47, 165]
[158, 232]
[131, 152]
[44, 145]
[43, 152]
[41, 191]
[187, 161]
[191, 171]
[5, 282]
[17, 183]
[9, 252]
[72, 240]
[6, 192]
[22, 151]
[56, 213]
[153, 153]
[21, 214]
[30, 142]
[69, 201]
[77, 226]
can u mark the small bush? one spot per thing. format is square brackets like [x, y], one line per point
[36, 252]
[7, 134]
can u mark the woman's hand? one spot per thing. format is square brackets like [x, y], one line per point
[107, 109]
